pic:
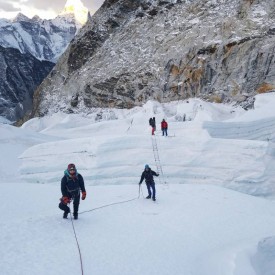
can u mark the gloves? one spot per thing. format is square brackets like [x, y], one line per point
[157, 175]
[83, 196]
[65, 200]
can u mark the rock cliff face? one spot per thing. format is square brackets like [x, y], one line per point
[19, 76]
[132, 51]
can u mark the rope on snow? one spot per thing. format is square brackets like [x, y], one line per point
[78, 247]
[75, 235]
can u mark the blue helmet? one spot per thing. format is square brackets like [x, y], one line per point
[146, 166]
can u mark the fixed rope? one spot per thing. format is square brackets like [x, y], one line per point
[76, 239]
[103, 206]
[120, 202]
[78, 247]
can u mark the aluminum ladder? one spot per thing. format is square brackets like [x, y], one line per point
[157, 160]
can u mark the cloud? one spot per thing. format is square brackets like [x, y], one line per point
[58, 5]
[44, 9]
[8, 6]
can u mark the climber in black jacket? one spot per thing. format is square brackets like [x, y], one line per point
[71, 185]
[148, 175]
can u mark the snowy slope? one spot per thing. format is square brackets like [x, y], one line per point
[190, 155]
[198, 226]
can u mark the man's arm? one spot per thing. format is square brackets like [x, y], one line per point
[154, 173]
[63, 186]
[142, 178]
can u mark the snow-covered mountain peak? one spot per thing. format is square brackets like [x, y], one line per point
[37, 18]
[21, 17]
[77, 8]
[44, 39]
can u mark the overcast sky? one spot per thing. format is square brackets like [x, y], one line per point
[45, 9]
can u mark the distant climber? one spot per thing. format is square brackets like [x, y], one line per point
[148, 175]
[71, 185]
[164, 127]
[253, 103]
[152, 123]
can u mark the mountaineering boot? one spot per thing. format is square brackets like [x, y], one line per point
[65, 215]
[148, 197]
[75, 216]
[154, 199]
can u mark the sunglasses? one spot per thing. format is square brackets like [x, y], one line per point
[72, 169]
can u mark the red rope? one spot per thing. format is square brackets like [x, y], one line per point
[78, 247]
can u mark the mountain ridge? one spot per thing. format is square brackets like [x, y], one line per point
[44, 40]
[130, 52]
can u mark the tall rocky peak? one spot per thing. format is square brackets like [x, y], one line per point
[21, 17]
[109, 19]
[34, 38]
[132, 51]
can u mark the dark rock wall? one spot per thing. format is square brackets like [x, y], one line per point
[20, 75]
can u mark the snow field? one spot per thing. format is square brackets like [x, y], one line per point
[198, 226]
[187, 226]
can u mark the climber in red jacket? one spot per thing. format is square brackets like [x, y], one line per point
[164, 127]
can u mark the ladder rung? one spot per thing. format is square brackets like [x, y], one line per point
[157, 159]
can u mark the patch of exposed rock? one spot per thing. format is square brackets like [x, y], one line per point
[20, 75]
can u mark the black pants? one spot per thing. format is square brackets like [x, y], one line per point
[76, 200]
[149, 186]
[164, 131]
